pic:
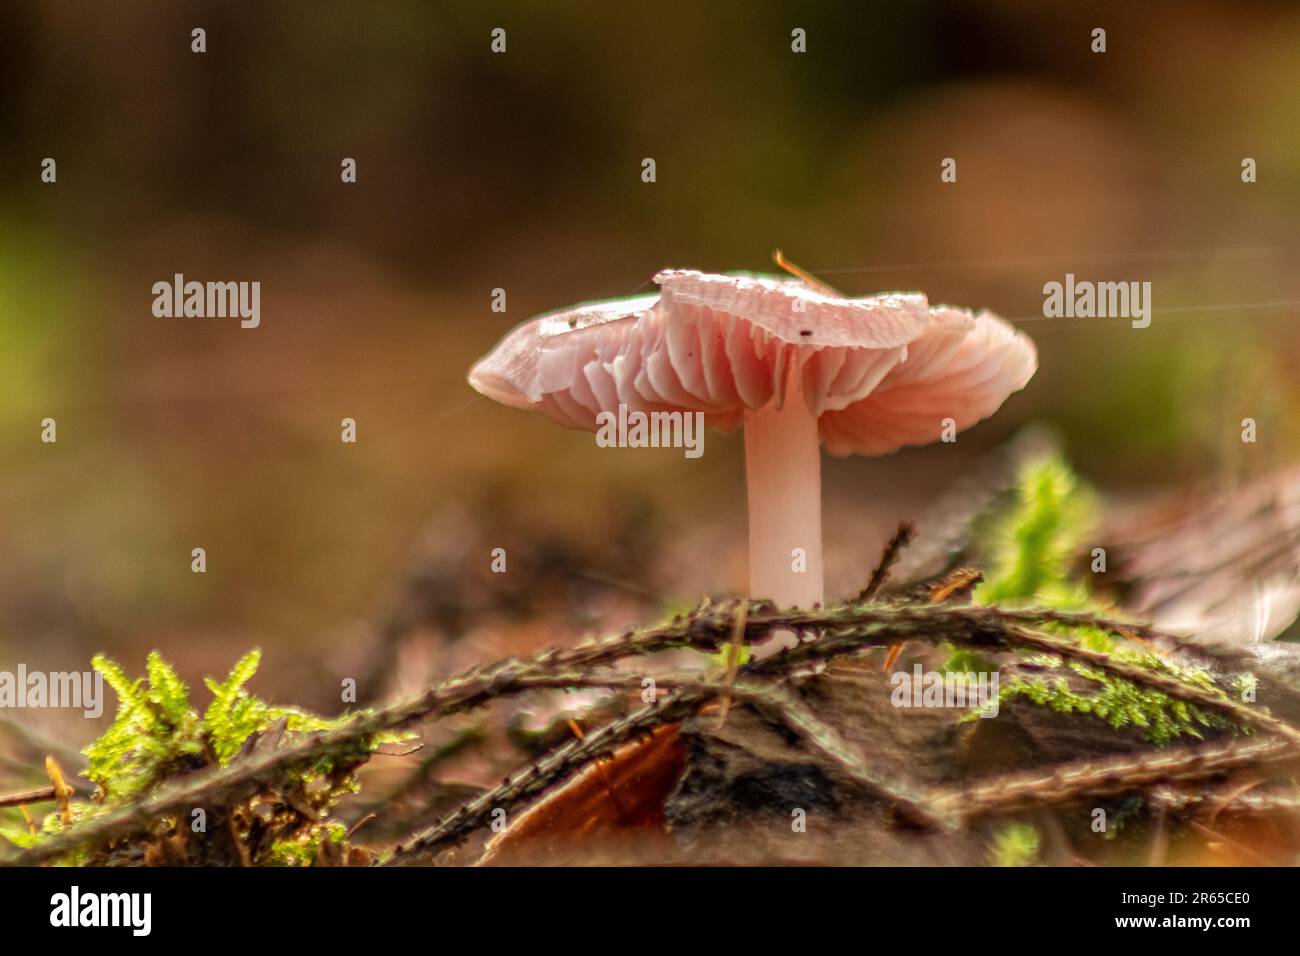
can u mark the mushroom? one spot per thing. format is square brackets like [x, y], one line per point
[796, 364]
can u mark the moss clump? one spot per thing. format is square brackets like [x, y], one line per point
[158, 734]
[1016, 844]
[309, 848]
[1032, 549]
[1122, 703]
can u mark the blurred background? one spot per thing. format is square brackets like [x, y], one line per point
[522, 171]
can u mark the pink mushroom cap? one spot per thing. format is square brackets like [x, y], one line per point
[878, 373]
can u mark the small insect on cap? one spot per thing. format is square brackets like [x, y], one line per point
[878, 372]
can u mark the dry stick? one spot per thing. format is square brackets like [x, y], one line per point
[934, 807]
[237, 781]
[39, 795]
[462, 692]
[242, 778]
[1236, 790]
[707, 628]
[914, 802]
[901, 539]
[1009, 634]
[733, 662]
[1087, 619]
[1255, 803]
[848, 615]
[996, 625]
[540, 775]
[852, 628]
[62, 792]
[912, 799]
[1107, 776]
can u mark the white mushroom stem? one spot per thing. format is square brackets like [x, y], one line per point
[784, 476]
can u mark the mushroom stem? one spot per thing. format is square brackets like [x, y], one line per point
[784, 476]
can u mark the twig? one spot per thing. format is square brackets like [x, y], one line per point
[39, 795]
[842, 630]
[1088, 619]
[359, 824]
[462, 692]
[62, 792]
[538, 776]
[1254, 802]
[981, 626]
[733, 661]
[901, 539]
[1108, 776]
[913, 802]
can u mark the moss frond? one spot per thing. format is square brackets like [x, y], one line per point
[1032, 547]
[1016, 844]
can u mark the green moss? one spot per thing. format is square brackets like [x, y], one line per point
[304, 850]
[1031, 547]
[1031, 563]
[154, 730]
[1122, 703]
[1016, 844]
[964, 660]
[157, 733]
[52, 825]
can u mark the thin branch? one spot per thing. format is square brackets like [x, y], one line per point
[843, 630]
[1108, 776]
[930, 807]
[1254, 803]
[901, 539]
[39, 795]
[732, 653]
[535, 778]
[912, 801]
[982, 626]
